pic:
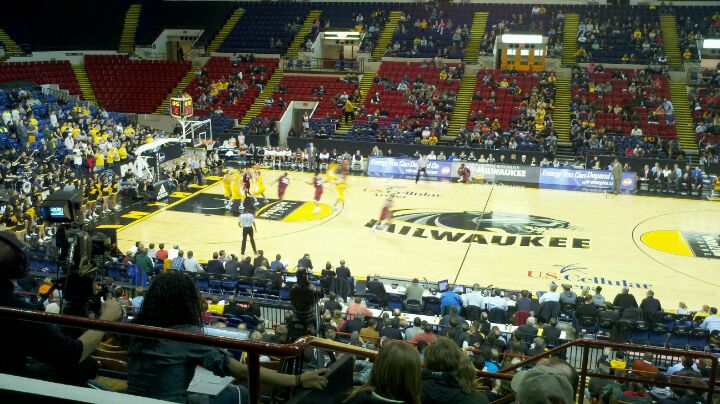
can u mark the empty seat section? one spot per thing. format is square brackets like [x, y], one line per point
[262, 22]
[156, 16]
[126, 85]
[45, 72]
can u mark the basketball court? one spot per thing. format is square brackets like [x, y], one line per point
[510, 237]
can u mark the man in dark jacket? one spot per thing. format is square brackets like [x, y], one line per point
[391, 330]
[305, 262]
[231, 267]
[354, 324]
[650, 304]
[551, 332]
[624, 299]
[214, 266]
[331, 304]
[343, 271]
[587, 309]
[246, 268]
[257, 262]
[377, 288]
[528, 329]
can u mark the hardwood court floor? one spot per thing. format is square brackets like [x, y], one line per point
[525, 238]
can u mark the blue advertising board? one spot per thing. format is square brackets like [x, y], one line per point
[388, 167]
[571, 179]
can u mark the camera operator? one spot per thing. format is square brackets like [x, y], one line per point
[55, 357]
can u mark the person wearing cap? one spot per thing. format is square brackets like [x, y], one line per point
[542, 384]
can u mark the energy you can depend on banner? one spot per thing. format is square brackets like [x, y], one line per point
[388, 166]
[551, 178]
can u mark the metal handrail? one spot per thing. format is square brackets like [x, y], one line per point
[253, 349]
[584, 372]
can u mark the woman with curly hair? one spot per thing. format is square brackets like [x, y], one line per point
[449, 375]
[163, 369]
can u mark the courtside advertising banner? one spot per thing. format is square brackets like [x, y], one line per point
[596, 180]
[502, 173]
[388, 167]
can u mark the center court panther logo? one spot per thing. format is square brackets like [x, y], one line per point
[512, 223]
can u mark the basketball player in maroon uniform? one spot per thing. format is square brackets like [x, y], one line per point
[247, 175]
[317, 182]
[283, 182]
[385, 215]
[464, 174]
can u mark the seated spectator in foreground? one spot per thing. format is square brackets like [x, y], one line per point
[528, 329]
[524, 302]
[542, 384]
[644, 366]
[711, 322]
[449, 375]
[386, 384]
[551, 332]
[650, 304]
[427, 335]
[370, 332]
[163, 369]
[357, 307]
[588, 309]
[686, 367]
[414, 291]
[415, 329]
[192, 264]
[450, 299]
[624, 299]
[537, 347]
[568, 296]
[550, 296]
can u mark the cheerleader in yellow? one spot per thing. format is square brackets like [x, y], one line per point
[107, 190]
[114, 194]
[259, 188]
[340, 187]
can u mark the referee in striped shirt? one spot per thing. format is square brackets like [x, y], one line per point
[247, 222]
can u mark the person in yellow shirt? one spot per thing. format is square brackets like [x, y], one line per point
[236, 190]
[349, 111]
[75, 132]
[637, 34]
[99, 161]
[686, 54]
[330, 172]
[122, 152]
[228, 179]
[129, 130]
[113, 155]
[340, 187]
[443, 75]
[504, 83]
[259, 187]
[107, 190]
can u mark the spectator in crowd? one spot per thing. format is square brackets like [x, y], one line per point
[343, 271]
[414, 292]
[386, 384]
[415, 329]
[357, 307]
[377, 288]
[354, 324]
[427, 335]
[57, 357]
[568, 296]
[277, 265]
[550, 296]
[619, 362]
[587, 309]
[137, 301]
[686, 367]
[215, 266]
[496, 301]
[551, 332]
[171, 302]
[246, 268]
[524, 302]
[370, 331]
[542, 384]
[305, 262]
[528, 329]
[173, 252]
[597, 385]
[537, 347]
[474, 298]
[711, 322]
[598, 300]
[331, 303]
[391, 330]
[450, 298]
[645, 367]
[231, 266]
[449, 376]
[624, 299]
[192, 264]
[650, 305]
[178, 263]
[144, 262]
[162, 253]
